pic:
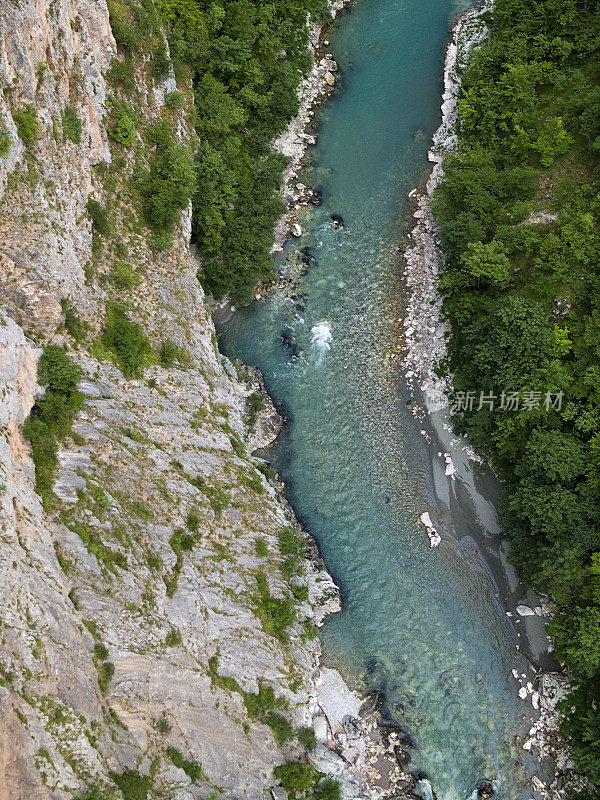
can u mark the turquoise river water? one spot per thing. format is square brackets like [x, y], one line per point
[421, 625]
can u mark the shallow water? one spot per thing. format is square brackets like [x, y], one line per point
[424, 626]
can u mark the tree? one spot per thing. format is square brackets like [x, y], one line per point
[553, 141]
[509, 348]
[577, 637]
[57, 371]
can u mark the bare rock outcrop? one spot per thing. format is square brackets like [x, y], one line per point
[136, 618]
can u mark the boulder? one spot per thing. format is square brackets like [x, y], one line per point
[485, 789]
[316, 197]
[371, 704]
[402, 756]
[525, 611]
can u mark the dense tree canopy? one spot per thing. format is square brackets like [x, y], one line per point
[244, 60]
[519, 211]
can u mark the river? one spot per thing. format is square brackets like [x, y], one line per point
[425, 626]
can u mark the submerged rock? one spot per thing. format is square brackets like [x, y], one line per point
[394, 734]
[485, 789]
[289, 342]
[338, 220]
[371, 704]
[316, 197]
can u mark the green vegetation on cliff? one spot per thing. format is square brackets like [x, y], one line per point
[52, 416]
[519, 211]
[244, 61]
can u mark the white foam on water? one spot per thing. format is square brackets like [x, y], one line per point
[476, 795]
[424, 789]
[320, 336]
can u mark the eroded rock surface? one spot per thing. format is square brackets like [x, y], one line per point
[119, 643]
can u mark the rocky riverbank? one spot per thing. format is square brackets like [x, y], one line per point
[425, 339]
[292, 143]
[136, 599]
[354, 745]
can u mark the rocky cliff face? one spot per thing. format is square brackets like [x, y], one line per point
[132, 599]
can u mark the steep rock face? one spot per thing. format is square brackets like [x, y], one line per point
[52, 55]
[131, 598]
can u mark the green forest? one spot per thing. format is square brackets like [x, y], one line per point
[519, 211]
[244, 61]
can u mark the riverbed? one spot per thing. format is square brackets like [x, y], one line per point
[428, 627]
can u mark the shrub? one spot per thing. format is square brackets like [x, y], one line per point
[5, 142]
[44, 453]
[94, 544]
[161, 63]
[300, 592]
[122, 73]
[293, 547]
[121, 122]
[166, 188]
[290, 543]
[170, 352]
[307, 737]
[174, 101]
[223, 681]
[328, 789]
[173, 638]
[276, 613]
[193, 520]
[256, 404]
[73, 324]
[133, 785]
[191, 768]
[262, 548]
[296, 777]
[281, 726]
[100, 651]
[126, 340]
[267, 470]
[123, 276]
[162, 725]
[57, 371]
[99, 217]
[52, 416]
[122, 24]
[106, 671]
[71, 125]
[262, 703]
[218, 496]
[28, 127]
[97, 792]
[251, 481]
